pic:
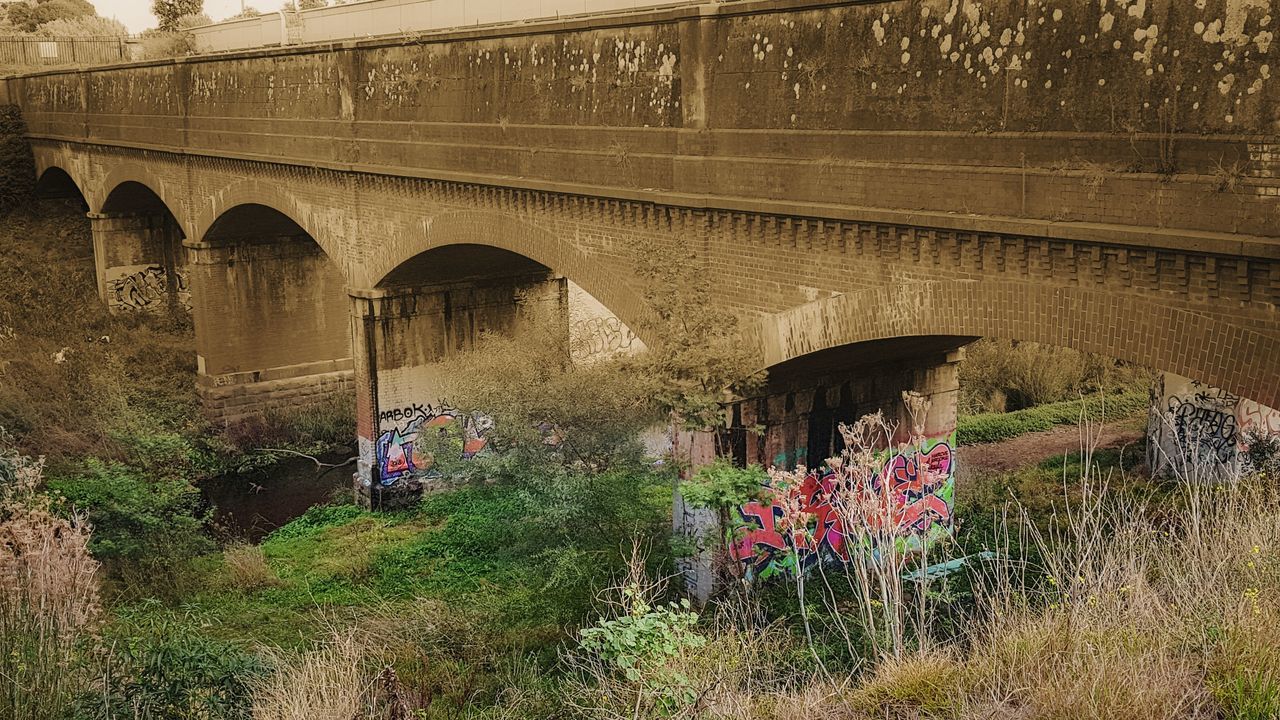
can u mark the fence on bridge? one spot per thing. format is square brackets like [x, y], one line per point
[371, 18]
[47, 52]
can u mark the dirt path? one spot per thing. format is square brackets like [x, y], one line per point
[1034, 448]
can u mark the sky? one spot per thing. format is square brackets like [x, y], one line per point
[136, 14]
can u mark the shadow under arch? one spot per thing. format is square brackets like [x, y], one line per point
[55, 183]
[1125, 327]
[526, 239]
[118, 192]
[257, 193]
[271, 312]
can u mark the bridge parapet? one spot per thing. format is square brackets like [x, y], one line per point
[1121, 116]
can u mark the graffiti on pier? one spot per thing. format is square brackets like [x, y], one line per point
[596, 337]
[403, 450]
[147, 290]
[1202, 424]
[1203, 420]
[822, 519]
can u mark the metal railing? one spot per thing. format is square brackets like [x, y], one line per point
[47, 52]
[373, 18]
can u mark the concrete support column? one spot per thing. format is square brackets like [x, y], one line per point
[399, 335]
[699, 527]
[272, 325]
[139, 261]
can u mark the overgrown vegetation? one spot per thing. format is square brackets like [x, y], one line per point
[1000, 375]
[17, 167]
[534, 583]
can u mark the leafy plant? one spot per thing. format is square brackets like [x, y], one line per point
[176, 674]
[723, 486]
[641, 644]
[144, 527]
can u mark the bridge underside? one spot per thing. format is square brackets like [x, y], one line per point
[867, 185]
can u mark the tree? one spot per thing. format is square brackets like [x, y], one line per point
[248, 12]
[83, 27]
[308, 4]
[169, 12]
[28, 18]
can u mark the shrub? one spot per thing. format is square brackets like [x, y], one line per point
[17, 166]
[146, 528]
[176, 674]
[639, 654]
[998, 375]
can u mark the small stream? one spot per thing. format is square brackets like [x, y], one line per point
[249, 506]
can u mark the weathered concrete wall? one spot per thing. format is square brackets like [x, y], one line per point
[401, 334]
[139, 262]
[1072, 113]
[272, 321]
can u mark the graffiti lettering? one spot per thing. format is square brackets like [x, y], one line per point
[1210, 432]
[401, 451]
[599, 337]
[920, 486]
[148, 289]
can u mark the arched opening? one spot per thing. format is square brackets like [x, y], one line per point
[436, 304]
[806, 398]
[55, 184]
[138, 249]
[272, 315]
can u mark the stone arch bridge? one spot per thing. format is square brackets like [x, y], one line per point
[871, 185]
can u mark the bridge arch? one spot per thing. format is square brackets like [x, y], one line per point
[524, 238]
[270, 308]
[118, 190]
[325, 231]
[1126, 327]
[53, 181]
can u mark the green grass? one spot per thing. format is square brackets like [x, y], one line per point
[993, 427]
[485, 547]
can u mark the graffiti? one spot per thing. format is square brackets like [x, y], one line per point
[919, 486]
[1203, 424]
[1254, 418]
[1206, 432]
[599, 336]
[147, 290]
[403, 451]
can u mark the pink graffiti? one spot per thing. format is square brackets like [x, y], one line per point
[913, 481]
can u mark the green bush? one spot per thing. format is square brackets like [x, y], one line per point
[17, 167]
[144, 528]
[721, 485]
[175, 675]
[993, 427]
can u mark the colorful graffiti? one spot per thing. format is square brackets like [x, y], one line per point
[823, 519]
[147, 289]
[403, 450]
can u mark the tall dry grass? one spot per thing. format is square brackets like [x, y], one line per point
[1132, 610]
[48, 599]
[330, 682]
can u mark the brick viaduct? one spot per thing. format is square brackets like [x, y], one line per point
[870, 184]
